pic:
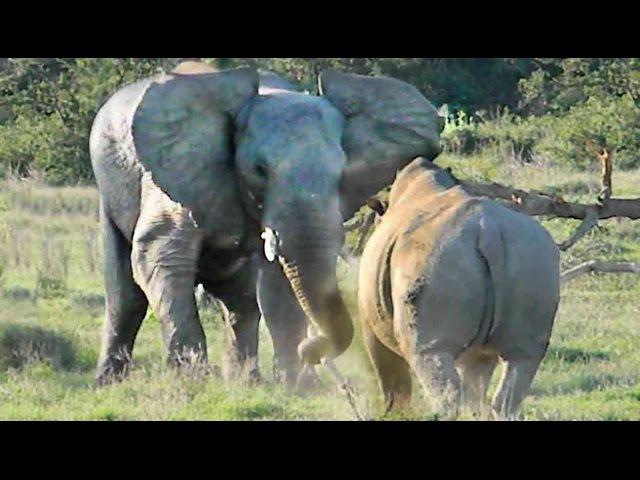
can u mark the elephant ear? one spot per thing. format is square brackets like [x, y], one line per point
[388, 124]
[182, 131]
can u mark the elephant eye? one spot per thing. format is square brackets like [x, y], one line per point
[261, 171]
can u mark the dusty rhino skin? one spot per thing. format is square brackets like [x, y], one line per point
[448, 285]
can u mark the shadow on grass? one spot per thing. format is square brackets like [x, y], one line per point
[91, 301]
[259, 411]
[576, 355]
[21, 345]
[573, 361]
[17, 294]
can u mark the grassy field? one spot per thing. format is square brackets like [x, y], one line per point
[51, 315]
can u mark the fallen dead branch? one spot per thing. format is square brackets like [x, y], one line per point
[589, 222]
[345, 387]
[542, 204]
[599, 266]
[538, 204]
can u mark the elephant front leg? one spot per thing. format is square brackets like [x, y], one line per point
[285, 320]
[164, 265]
[238, 303]
[241, 355]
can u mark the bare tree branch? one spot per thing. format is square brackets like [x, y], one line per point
[599, 266]
[589, 222]
[536, 203]
[605, 157]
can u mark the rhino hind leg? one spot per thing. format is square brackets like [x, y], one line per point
[514, 385]
[440, 380]
[476, 369]
[393, 372]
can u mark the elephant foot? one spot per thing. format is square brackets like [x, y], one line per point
[285, 374]
[190, 362]
[111, 370]
[246, 373]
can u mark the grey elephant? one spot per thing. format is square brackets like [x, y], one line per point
[448, 284]
[195, 166]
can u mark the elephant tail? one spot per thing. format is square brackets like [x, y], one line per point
[492, 248]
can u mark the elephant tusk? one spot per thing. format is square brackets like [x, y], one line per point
[270, 238]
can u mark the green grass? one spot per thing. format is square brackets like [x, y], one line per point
[51, 315]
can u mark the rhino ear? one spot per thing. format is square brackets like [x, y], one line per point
[388, 124]
[183, 134]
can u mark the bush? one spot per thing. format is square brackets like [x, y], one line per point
[608, 121]
[508, 135]
[3, 236]
[47, 107]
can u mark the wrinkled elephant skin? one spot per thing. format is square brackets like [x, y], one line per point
[194, 166]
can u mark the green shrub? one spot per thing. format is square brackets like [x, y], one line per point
[610, 121]
[510, 136]
[49, 106]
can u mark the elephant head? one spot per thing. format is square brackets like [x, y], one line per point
[306, 163]
[301, 165]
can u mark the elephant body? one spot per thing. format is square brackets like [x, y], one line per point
[145, 230]
[448, 284]
[192, 166]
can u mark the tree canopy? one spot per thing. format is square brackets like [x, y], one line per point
[47, 104]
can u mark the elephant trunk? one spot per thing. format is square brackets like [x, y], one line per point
[307, 246]
[316, 289]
